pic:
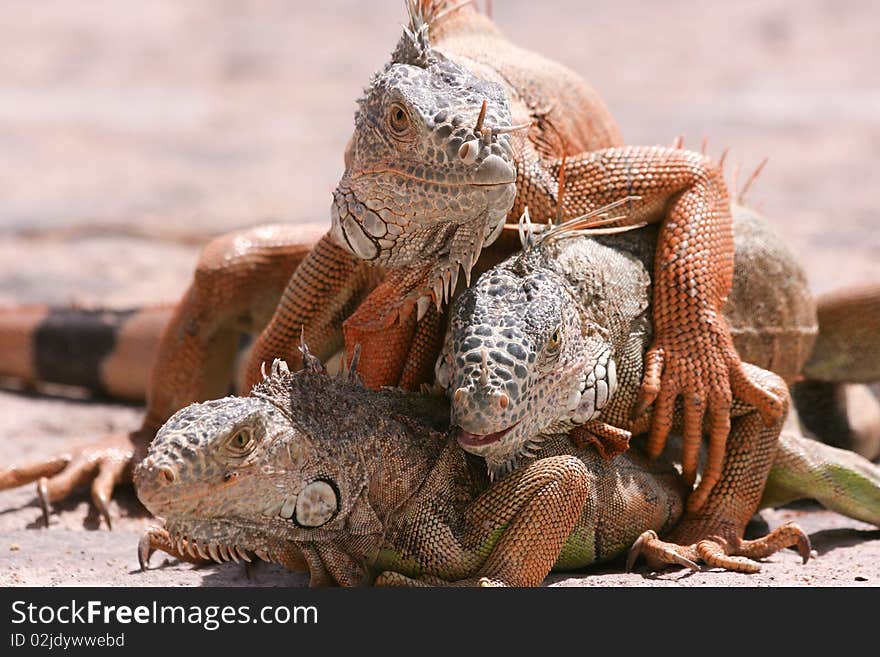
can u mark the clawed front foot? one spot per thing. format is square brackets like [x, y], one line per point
[157, 538]
[717, 552]
[389, 578]
[105, 464]
[706, 372]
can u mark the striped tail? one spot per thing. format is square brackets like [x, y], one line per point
[108, 352]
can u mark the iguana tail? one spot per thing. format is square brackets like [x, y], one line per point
[848, 346]
[831, 400]
[839, 479]
[108, 352]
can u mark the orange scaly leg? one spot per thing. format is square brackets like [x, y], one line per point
[327, 288]
[712, 533]
[397, 348]
[692, 355]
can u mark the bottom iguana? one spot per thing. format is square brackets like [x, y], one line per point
[320, 473]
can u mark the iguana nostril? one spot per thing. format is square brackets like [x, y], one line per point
[503, 400]
[459, 395]
[469, 151]
[167, 475]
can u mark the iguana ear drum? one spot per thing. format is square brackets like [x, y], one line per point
[316, 504]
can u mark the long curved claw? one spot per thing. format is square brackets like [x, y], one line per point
[145, 549]
[804, 546]
[649, 543]
[100, 501]
[636, 550]
[111, 471]
[684, 561]
[43, 497]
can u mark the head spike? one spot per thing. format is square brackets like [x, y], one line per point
[355, 360]
[479, 127]
[560, 194]
[484, 367]
[722, 159]
[751, 180]
[506, 129]
[310, 362]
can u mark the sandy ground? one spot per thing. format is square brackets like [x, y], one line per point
[132, 132]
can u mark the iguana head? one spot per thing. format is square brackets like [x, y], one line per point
[532, 344]
[427, 173]
[251, 472]
[288, 473]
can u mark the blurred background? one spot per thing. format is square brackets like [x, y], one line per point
[131, 132]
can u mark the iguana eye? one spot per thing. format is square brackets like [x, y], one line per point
[398, 119]
[555, 339]
[241, 441]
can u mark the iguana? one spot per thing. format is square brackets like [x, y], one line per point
[459, 131]
[356, 486]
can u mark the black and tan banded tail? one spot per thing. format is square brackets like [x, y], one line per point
[108, 352]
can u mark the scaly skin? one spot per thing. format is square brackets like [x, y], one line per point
[371, 491]
[236, 287]
[551, 338]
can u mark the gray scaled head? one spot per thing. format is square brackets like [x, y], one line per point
[520, 362]
[425, 175]
[239, 473]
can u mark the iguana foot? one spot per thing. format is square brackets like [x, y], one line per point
[717, 552]
[707, 376]
[389, 578]
[157, 538]
[399, 338]
[105, 464]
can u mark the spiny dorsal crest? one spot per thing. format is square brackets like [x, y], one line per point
[276, 386]
[414, 46]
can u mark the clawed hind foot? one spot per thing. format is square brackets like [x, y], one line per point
[717, 552]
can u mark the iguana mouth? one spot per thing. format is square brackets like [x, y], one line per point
[477, 440]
